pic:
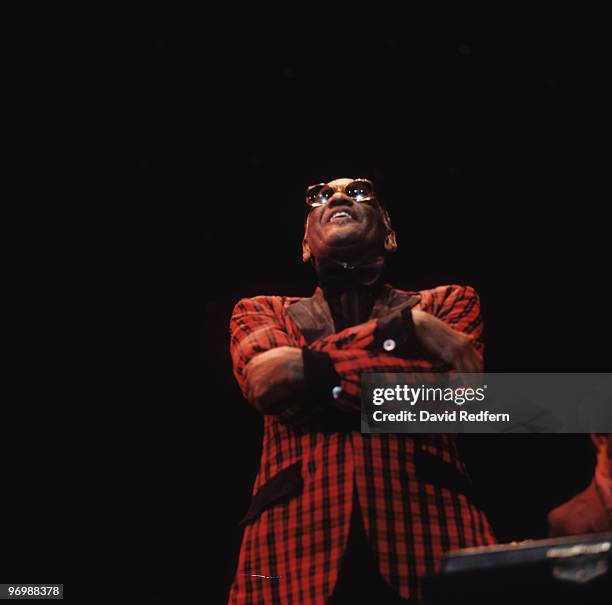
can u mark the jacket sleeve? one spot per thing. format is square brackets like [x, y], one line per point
[255, 327]
[359, 350]
[554, 526]
[458, 306]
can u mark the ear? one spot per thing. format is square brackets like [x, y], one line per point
[390, 242]
[306, 254]
[390, 237]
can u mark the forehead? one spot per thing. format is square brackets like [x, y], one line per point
[340, 182]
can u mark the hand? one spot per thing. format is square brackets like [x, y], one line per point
[274, 375]
[454, 348]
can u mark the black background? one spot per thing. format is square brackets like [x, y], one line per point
[195, 139]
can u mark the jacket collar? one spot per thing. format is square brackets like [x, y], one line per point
[313, 316]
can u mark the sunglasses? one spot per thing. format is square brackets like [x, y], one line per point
[359, 190]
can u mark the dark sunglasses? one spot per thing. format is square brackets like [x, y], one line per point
[359, 190]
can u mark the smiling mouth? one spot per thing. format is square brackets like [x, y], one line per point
[340, 216]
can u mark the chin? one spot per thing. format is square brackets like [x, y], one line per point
[344, 231]
[342, 240]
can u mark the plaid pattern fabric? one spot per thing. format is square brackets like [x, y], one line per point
[291, 551]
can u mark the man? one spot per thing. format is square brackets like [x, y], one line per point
[591, 510]
[338, 516]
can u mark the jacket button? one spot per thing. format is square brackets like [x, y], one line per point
[336, 392]
[389, 344]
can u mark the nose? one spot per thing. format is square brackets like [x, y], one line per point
[339, 199]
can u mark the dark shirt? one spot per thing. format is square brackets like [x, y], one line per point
[351, 304]
[351, 290]
[350, 293]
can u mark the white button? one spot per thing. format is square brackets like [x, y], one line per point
[336, 392]
[389, 344]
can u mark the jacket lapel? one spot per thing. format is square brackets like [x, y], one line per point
[313, 317]
[392, 300]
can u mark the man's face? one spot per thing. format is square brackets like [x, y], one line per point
[343, 229]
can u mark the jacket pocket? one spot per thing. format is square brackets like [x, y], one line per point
[431, 469]
[281, 487]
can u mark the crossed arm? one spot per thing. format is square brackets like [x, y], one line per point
[444, 334]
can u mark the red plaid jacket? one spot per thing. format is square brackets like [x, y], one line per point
[413, 490]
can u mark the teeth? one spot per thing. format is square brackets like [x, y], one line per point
[339, 214]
